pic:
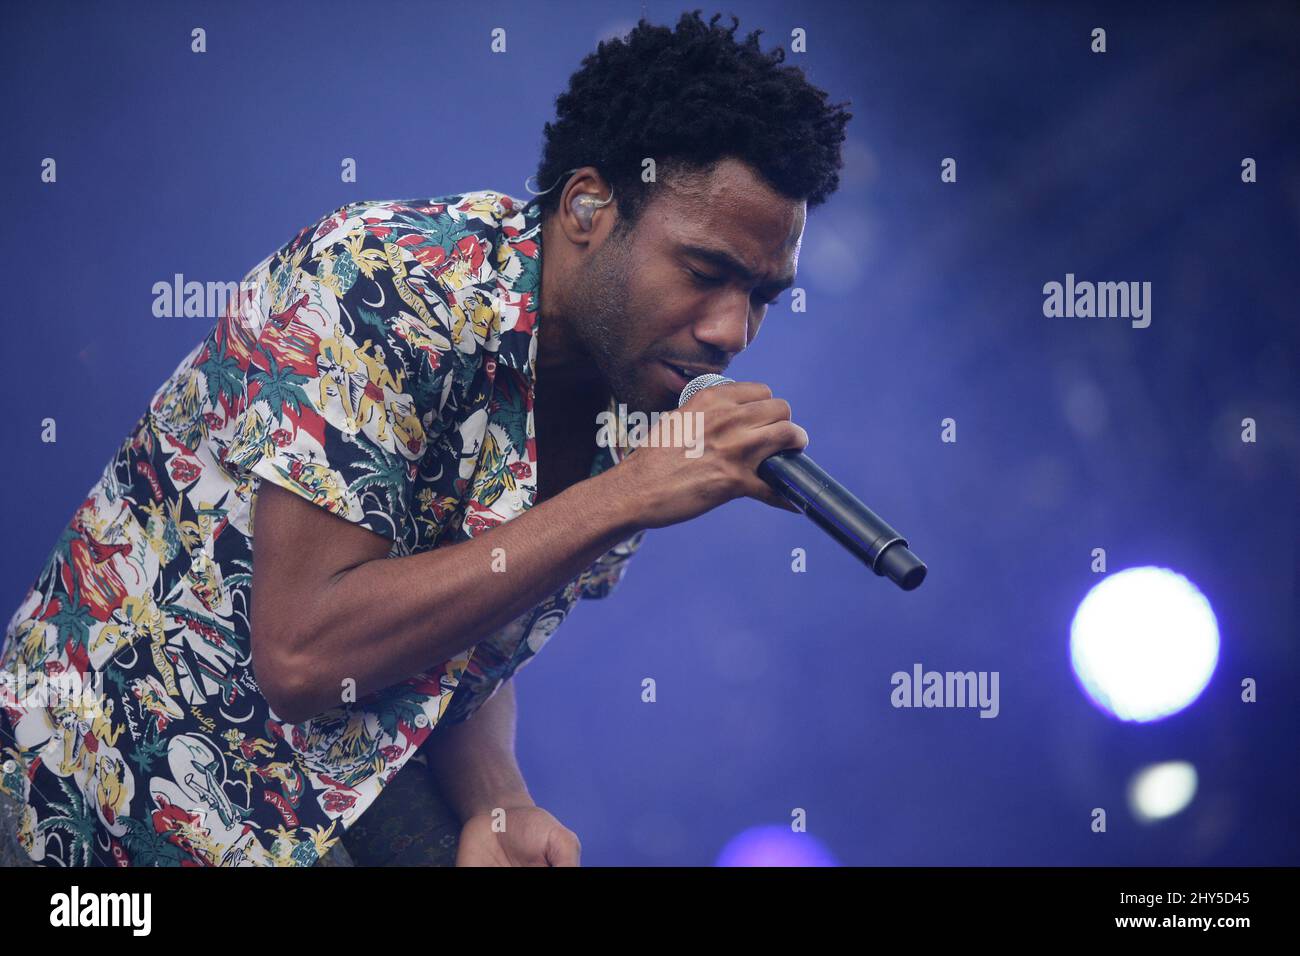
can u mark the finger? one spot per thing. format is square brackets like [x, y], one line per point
[762, 443]
[768, 496]
[731, 392]
[763, 412]
[563, 848]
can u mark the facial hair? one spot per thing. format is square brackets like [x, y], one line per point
[600, 321]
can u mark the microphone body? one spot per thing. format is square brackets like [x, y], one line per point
[832, 507]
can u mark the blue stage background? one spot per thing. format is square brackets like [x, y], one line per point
[925, 302]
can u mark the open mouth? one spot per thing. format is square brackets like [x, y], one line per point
[685, 372]
[676, 377]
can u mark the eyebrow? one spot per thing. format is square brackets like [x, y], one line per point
[729, 263]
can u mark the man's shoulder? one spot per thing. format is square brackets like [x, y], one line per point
[443, 220]
[458, 249]
[454, 273]
[460, 268]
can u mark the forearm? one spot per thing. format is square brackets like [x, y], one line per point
[474, 761]
[387, 619]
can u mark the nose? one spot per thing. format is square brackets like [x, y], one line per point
[729, 326]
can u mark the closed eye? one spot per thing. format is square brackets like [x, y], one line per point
[708, 281]
[704, 280]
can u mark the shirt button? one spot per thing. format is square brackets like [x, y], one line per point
[10, 766]
[421, 721]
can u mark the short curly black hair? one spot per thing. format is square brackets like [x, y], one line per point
[688, 98]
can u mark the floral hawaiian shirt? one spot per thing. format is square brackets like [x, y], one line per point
[380, 365]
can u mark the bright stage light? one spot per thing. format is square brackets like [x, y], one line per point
[1161, 790]
[1144, 643]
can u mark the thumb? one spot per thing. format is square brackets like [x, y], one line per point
[770, 497]
[563, 848]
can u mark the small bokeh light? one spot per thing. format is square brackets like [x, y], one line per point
[1161, 790]
[775, 846]
[1144, 643]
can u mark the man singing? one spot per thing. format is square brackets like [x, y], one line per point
[296, 596]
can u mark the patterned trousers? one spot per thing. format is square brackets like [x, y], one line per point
[409, 824]
[11, 851]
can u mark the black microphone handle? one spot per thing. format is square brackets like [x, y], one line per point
[806, 485]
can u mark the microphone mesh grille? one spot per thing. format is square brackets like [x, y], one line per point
[699, 384]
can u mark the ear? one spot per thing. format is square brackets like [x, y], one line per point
[584, 207]
[586, 211]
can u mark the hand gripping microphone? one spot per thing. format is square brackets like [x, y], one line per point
[832, 507]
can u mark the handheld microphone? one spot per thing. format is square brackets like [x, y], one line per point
[832, 507]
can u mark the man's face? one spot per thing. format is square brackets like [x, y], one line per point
[688, 287]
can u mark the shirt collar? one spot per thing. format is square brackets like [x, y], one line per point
[519, 288]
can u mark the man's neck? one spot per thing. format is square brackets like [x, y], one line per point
[559, 361]
[563, 367]
[566, 374]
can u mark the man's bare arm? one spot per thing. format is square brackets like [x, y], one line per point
[474, 761]
[328, 605]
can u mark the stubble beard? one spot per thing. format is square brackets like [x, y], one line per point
[602, 323]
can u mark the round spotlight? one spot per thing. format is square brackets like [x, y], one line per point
[1161, 790]
[774, 846]
[1144, 643]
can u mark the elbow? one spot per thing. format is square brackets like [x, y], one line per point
[284, 681]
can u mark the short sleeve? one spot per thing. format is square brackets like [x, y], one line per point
[608, 570]
[344, 382]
